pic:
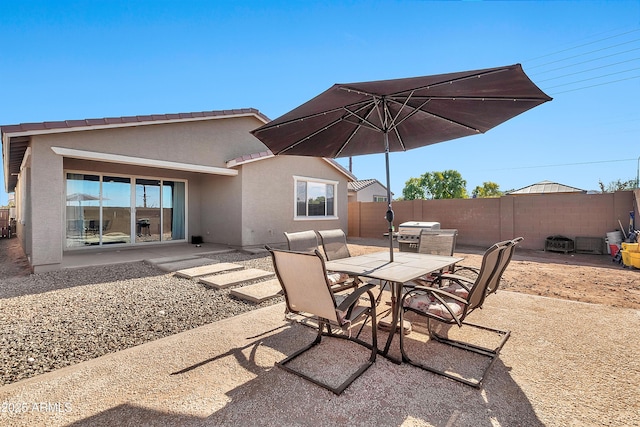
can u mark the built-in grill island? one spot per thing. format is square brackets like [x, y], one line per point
[409, 234]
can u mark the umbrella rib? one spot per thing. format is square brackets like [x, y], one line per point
[300, 141]
[272, 125]
[474, 98]
[418, 110]
[358, 126]
[459, 79]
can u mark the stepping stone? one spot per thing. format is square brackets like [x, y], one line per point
[258, 292]
[187, 263]
[221, 281]
[164, 260]
[203, 270]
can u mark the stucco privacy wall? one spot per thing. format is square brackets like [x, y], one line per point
[268, 198]
[482, 222]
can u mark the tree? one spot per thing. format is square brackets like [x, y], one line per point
[488, 189]
[617, 186]
[413, 189]
[445, 185]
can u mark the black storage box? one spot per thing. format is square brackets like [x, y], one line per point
[559, 244]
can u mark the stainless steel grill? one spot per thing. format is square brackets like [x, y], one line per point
[409, 234]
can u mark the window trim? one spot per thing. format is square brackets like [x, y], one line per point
[296, 217]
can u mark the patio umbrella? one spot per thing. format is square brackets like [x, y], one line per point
[397, 115]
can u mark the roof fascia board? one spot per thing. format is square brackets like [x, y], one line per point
[139, 161]
[128, 124]
[341, 169]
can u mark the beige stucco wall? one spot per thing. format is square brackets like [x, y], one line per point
[367, 193]
[268, 198]
[46, 194]
[209, 143]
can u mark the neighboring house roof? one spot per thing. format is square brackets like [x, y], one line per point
[238, 161]
[547, 187]
[362, 184]
[15, 138]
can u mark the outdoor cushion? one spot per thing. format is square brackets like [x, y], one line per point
[428, 304]
[335, 278]
[457, 289]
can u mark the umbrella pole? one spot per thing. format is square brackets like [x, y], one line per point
[389, 215]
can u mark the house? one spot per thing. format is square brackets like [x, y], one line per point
[161, 179]
[546, 187]
[367, 190]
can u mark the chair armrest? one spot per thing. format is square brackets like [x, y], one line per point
[475, 270]
[355, 296]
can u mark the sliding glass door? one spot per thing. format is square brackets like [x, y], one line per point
[103, 210]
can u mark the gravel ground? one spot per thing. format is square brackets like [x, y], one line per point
[56, 319]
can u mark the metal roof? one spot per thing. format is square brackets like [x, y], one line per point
[545, 187]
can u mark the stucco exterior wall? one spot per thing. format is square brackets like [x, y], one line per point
[367, 193]
[268, 198]
[208, 143]
[46, 193]
[221, 207]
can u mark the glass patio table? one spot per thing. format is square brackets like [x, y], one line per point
[406, 266]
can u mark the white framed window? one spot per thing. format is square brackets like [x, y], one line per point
[315, 198]
[379, 198]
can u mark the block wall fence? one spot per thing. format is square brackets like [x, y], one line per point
[482, 222]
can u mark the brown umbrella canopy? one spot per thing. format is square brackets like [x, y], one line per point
[397, 115]
[348, 119]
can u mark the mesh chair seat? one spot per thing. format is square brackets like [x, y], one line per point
[303, 278]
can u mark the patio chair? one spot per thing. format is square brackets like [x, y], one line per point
[307, 241]
[334, 244]
[438, 242]
[302, 241]
[465, 282]
[303, 278]
[446, 306]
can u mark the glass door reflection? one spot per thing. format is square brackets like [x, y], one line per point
[148, 212]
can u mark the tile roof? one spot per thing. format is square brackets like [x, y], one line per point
[125, 121]
[248, 158]
[364, 183]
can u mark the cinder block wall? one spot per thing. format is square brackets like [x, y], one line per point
[482, 222]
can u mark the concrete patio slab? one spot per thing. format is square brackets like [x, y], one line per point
[258, 292]
[566, 363]
[221, 281]
[204, 270]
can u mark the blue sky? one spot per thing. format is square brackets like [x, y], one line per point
[64, 60]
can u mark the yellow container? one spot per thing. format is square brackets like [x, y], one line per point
[626, 258]
[631, 247]
[635, 259]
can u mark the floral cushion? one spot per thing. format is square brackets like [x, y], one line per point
[457, 290]
[335, 278]
[429, 305]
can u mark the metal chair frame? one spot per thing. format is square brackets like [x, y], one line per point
[291, 286]
[477, 293]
